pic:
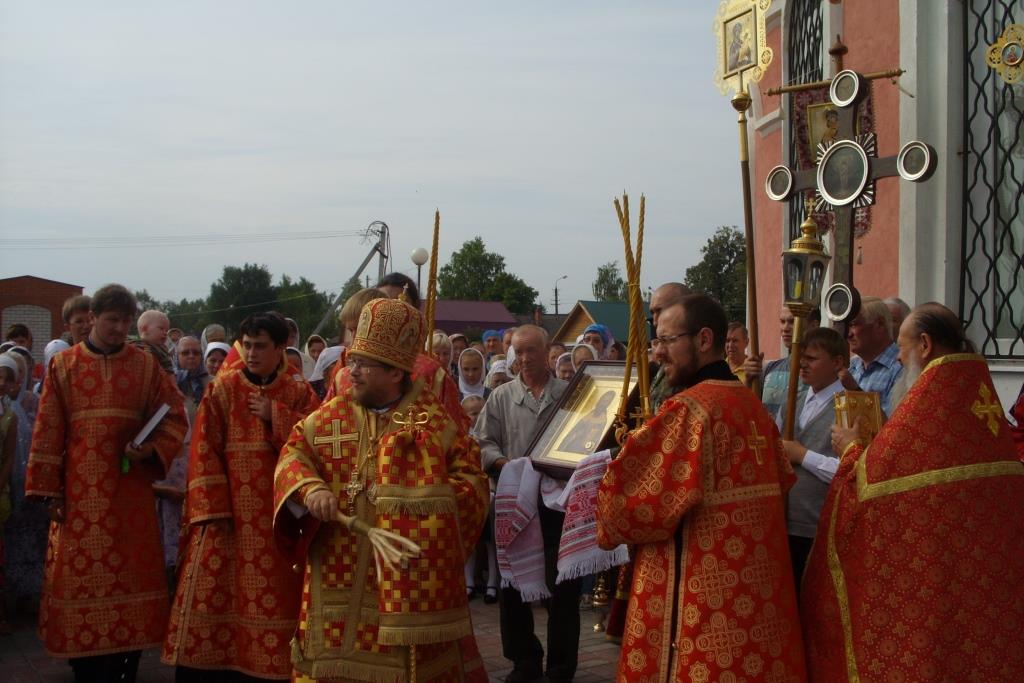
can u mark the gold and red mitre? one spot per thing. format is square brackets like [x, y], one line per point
[390, 331]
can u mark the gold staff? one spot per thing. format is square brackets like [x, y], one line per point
[743, 56]
[431, 300]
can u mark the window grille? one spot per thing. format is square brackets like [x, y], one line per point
[992, 248]
[803, 62]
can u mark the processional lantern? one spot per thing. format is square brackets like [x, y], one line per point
[804, 266]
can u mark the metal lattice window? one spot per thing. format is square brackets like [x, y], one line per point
[803, 62]
[992, 254]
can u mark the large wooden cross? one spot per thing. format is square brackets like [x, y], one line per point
[847, 167]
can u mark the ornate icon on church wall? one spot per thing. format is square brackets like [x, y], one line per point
[822, 125]
[743, 52]
[582, 422]
[1006, 55]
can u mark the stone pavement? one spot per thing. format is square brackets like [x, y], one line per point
[22, 659]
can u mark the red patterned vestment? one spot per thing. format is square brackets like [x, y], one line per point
[237, 600]
[426, 485]
[104, 590]
[918, 567]
[698, 490]
[437, 380]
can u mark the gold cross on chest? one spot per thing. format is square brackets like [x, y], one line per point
[756, 442]
[335, 438]
[984, 408]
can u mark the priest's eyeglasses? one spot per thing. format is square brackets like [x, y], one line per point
[658, 342]
[360, 364]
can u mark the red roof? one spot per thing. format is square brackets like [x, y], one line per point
[454, 315]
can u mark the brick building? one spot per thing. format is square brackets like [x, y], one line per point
[36, 302]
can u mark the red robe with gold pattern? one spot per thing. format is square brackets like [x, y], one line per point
[237, 600]
[698, 490]
[104, 590]
[917, 569]
[424, 483]
[437, 380]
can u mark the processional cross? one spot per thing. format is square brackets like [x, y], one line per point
[844, 178]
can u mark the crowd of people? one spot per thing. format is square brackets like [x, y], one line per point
[260, 509]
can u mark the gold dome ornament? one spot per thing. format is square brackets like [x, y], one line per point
[1006, 55]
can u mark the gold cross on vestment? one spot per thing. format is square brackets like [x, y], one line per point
[353, 489]
[984, 408]
[756, 442]
[335, 438]
[411, 419]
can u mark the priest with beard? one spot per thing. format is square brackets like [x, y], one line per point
[917, 571]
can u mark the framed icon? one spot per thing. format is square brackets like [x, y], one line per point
[583, 421]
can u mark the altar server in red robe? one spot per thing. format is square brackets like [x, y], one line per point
[105, 591]
[237, 601]
[917, 569]
[698, 490]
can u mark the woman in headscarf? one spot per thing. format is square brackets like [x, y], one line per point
[214, 356]
[564, 368]
[54, 347]
[581, 353]
[600, 338]
[26, 529]
[212, 333]
[443, 350]
[315, 345]
[497, 375]
[322, 371]
[471, 375]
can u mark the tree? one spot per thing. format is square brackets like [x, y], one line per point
[609, 285]
[722, 272]
[475, 274]
[301, 301]
[239, 292]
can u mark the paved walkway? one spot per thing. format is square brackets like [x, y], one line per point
[22, 659]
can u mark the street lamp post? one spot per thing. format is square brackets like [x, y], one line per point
[803, 273]
[419, 256]
[556, 292]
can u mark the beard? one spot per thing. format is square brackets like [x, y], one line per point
[908, 378]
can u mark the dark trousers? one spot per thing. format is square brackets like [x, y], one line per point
[518, 641]
[799, 551]
[116, 668]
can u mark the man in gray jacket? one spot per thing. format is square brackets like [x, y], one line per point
[510, 418]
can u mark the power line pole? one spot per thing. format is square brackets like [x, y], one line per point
[556, 292]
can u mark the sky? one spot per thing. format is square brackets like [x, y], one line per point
[519, 121]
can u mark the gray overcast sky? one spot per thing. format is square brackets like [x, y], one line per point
[519, 121]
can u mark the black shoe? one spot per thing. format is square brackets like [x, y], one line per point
[471, 594]
[491, 596]
[524, 676]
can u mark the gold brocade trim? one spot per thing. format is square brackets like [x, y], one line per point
[187, 589]
[212, 517]
[835, 568]
[207, 480]
[849, 447]
[742, 493]
[953, 358]
[423, 635]
[672, 647]
[245, 446]
[48, 459]
[867, 490]
[41, 493]
[424, 506]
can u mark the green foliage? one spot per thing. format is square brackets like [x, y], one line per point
[722, 272]
[609, 284]
[474, 274]
[240, 292]
[300, 301]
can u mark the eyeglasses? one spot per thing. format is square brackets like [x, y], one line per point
[360, 364]
[657, 342]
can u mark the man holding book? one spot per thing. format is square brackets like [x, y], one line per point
[105, 593]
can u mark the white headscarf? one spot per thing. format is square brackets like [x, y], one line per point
[472, 389]
[328, 356]
[216, 346]
[593, 351]
[8, 362]
[53, 347]
[496, 367]
[510, 360]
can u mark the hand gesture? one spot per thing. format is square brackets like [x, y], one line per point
[795, 451]
[259, 406]
[842, 437]
[137, 453]
[752, 366]
[323, 505]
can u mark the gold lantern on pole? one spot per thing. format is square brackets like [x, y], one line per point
[804, 266]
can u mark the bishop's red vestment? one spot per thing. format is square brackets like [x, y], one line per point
[698, 490]
[421, 481]
[104, 590]
[918, 567]
[237, 600]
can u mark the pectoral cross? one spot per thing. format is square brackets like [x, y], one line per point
[335, 438]
[353, 489]
[847, 168]
[984, 408]
[756, 442]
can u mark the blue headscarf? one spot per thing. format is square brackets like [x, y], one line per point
[491, 333]
[606, 336]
